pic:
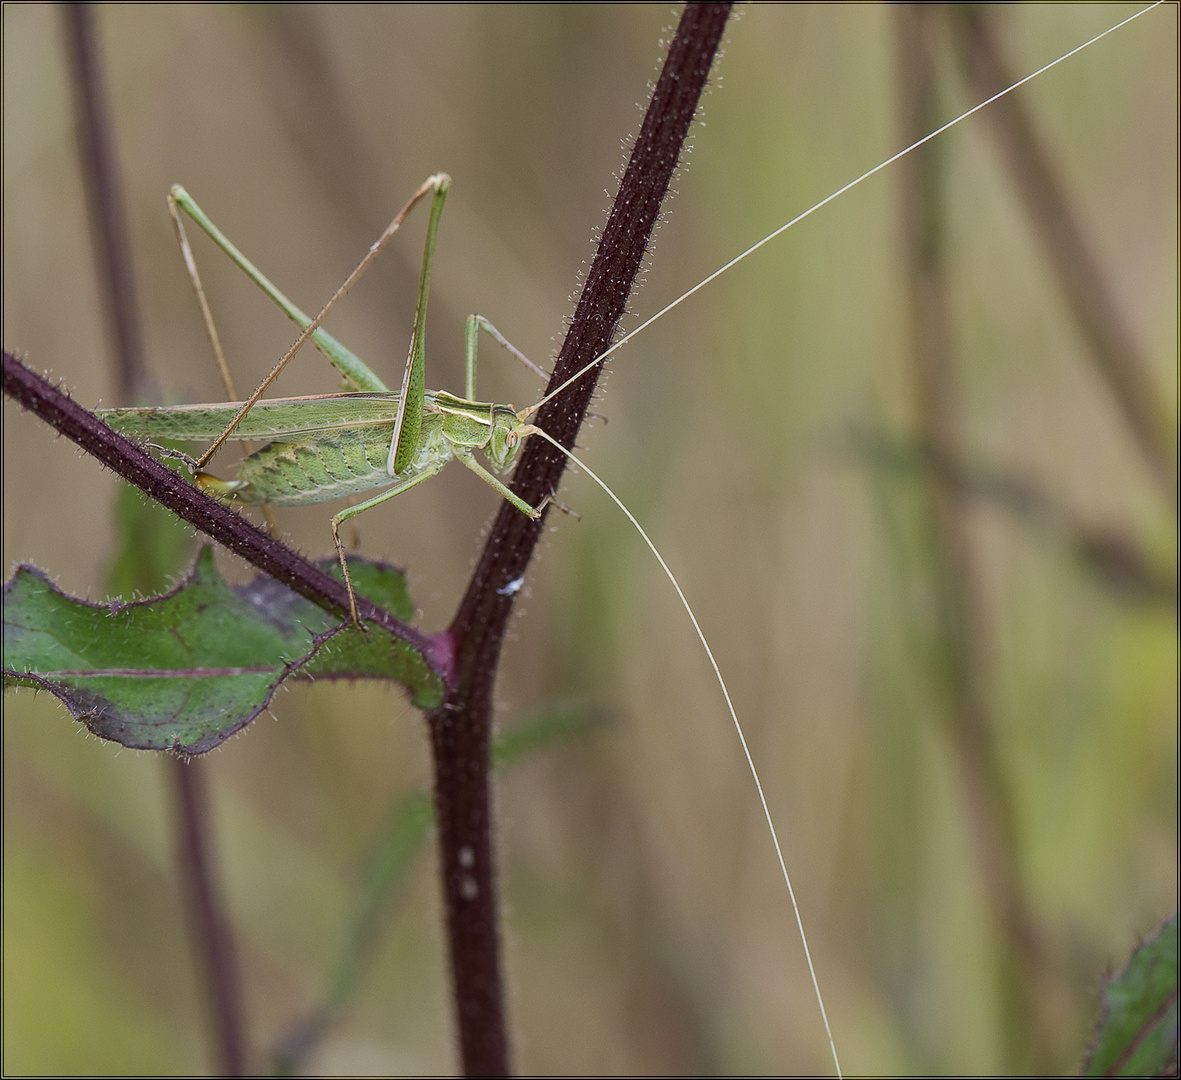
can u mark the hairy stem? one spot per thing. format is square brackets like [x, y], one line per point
[461, 726]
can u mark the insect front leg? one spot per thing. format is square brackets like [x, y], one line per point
[464, 455]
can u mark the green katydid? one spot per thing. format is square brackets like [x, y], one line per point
[330, 446]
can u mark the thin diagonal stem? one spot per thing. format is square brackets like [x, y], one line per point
[61, 412]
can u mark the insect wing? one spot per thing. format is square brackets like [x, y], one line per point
[274, 418]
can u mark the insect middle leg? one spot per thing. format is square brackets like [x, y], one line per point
[368, 504]
[476, 323]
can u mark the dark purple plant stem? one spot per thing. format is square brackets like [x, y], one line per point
[1095, 311]
[209, 926]
[137, 467]
[460, 727]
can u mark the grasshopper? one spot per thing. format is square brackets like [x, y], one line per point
[325, 447]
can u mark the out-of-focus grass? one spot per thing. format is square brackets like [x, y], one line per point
[645, 926]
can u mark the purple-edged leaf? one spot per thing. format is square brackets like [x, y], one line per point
[1137, 1033]
[186, 670]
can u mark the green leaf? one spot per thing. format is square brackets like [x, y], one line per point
[1137, 1033]
[153, 545]
[186, 670]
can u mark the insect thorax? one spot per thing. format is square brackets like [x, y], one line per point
[480, 426]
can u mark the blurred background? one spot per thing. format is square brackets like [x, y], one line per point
[765, 434]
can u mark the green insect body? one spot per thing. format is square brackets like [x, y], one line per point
[329, 446]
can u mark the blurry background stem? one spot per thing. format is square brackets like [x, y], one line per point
[209, 926]
[1100, 322]
[960, 625]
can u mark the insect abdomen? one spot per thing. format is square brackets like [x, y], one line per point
[300, 474]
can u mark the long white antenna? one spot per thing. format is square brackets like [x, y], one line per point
[824, 202]
[531, 429]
